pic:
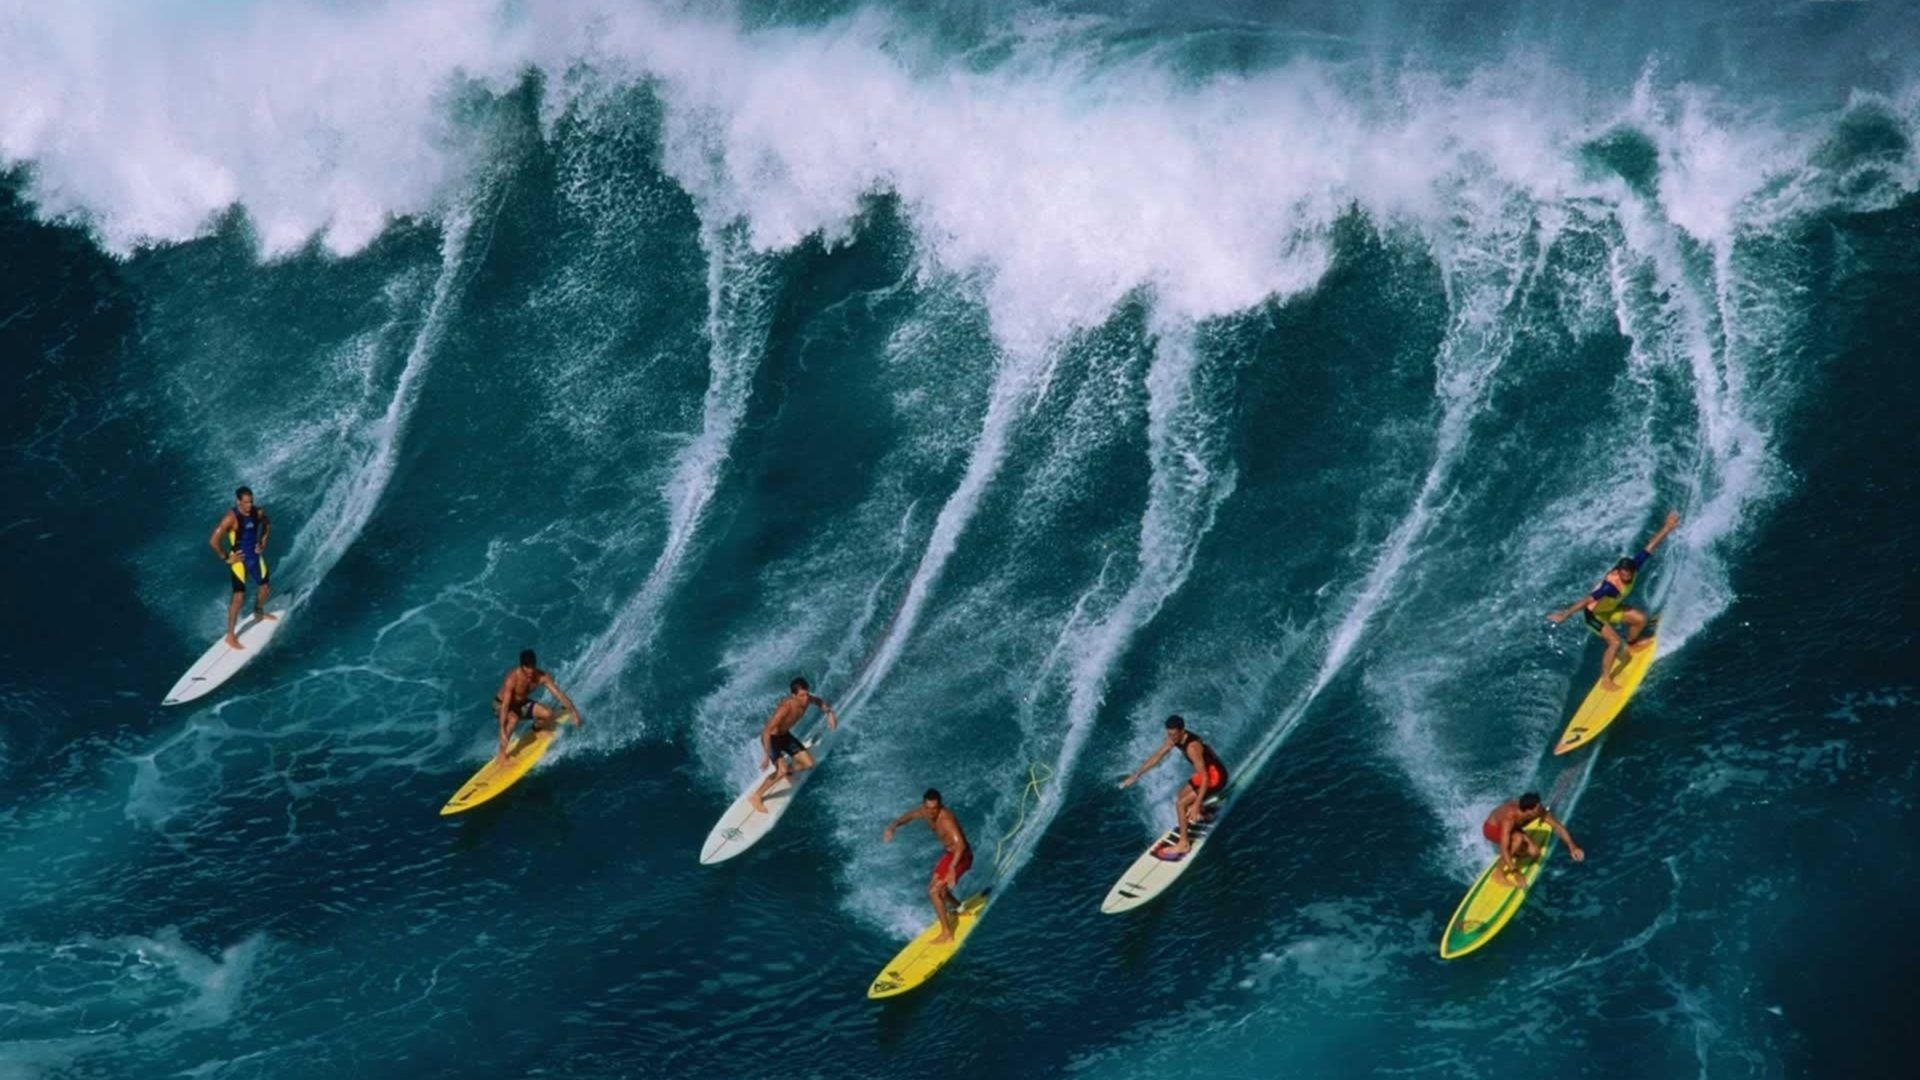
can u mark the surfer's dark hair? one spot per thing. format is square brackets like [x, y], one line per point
[526, 658]
[932, 795]
[1530, 800]
[798, 685]
[242, 490]
[1176, 722]
[1626, 564]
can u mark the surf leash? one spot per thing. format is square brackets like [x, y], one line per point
[1038, 773]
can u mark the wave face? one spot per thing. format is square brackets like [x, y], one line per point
[1019, 375]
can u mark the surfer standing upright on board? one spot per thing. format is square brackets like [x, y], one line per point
[514, 702]
[955, 862]
[1606, 605]
[1506, 827]
[244, 528]
[785, 753]
[1209, 776]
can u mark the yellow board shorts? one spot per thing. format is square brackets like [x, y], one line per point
[1599, 622]
[239, 569]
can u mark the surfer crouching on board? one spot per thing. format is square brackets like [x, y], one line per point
[1507, 828]
[955, 862]
[244, 527]
[778, 746]
[515, 703]
[1606, 605]
[1209, 776]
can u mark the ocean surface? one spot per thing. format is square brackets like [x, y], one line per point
[1019, 374]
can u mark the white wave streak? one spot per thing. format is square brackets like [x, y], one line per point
[357, 487]
[1187, 487]
[1485, 277]
[741, 287]
[857, 631]
[1014, 385]
[1733, 469]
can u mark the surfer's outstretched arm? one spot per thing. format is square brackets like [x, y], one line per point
[821, 703]
[554, 687]
[1566, 838]
[1152, 760]
[1567, 612]
[1672, 522]
[918, 812]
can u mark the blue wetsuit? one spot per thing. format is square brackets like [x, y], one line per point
[1607, 602]
[244, 540]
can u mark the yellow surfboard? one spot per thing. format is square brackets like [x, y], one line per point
[923, 958]
[494, 778]
[1491, 903]
[1601, 705]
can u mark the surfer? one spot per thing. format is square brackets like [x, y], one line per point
[1506, 827]
[1606, 606]
[1209, 776]
[955, 862]
[244, 527]
[778, 746]
[515, 703]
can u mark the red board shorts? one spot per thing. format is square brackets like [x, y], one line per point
[1491, 830]
[1216, 779]
[966, 863]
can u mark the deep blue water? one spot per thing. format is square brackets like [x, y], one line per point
[1019, 376]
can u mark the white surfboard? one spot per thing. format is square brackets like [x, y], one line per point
[1150, 875]
[742, 826]
[221, 663]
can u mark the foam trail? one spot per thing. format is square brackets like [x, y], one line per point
[349, 502]
[843, 657]
[1485, 288]
[1733, 468]
[1185, 491]
[741, 287]
[1019, 379]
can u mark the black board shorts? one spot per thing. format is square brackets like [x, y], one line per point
[524, 712]
[785, 743]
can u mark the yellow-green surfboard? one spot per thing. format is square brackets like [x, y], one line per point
[1491, 903]
[494, 778]
[1602, 705]
[923, 957]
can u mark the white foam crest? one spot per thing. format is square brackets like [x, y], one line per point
[741, 286]
[360, 482]
[1065, 188]
[1063, 185]
[1713, 159]
[148, 121]
[1187, 485]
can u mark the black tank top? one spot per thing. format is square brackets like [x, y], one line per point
[1206, 752]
